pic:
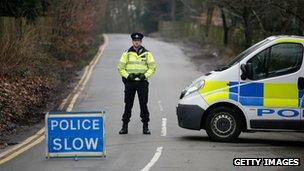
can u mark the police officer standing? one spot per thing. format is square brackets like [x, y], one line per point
[136, 66]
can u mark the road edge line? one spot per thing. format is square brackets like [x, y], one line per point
[37, 138]
[26, 146]
[154, 159]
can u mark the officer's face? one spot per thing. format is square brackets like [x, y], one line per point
[136, 43]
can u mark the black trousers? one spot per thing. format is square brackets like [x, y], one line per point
[142, 89]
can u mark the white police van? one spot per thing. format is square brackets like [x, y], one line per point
[260, 90]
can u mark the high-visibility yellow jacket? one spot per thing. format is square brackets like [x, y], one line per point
[141, 62]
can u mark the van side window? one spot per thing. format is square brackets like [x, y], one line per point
[259, 64]
[277, 60]
[284, 59]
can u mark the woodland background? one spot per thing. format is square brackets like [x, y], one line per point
[43, 43]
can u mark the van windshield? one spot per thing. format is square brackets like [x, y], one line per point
[244, 54]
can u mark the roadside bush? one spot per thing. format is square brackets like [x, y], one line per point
[39, 57]
[17, 55]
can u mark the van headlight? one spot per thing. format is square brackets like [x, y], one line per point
[195, 86]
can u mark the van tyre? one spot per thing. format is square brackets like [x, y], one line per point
[223, 124]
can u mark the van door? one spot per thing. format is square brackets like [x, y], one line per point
[271, 96]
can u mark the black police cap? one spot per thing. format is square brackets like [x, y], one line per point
[137, 36]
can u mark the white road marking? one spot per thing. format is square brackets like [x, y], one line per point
[160, 106]
[154, 159]
[75, 97]
[20, 148]
[164, 127]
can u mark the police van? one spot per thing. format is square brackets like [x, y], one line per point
[260, 90]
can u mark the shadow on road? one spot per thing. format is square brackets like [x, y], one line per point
[248, 141]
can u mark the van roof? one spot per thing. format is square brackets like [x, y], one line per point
[286, 38]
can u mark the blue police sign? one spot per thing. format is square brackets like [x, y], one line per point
[75, 134]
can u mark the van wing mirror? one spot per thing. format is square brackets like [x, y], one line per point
[300, 83]
[247, 71]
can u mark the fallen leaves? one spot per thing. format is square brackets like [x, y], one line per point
[22, 100]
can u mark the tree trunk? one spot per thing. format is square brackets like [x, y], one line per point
[209, 19]
[247, 27]
[173, 10]
[300, 22]
[225, 27]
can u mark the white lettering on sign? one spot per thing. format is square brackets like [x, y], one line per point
[85, 124]
[91, 143]
[64, 125]
[56, 142]
[54, 123]
[66, 145]
[80, 142]
[95, 124]
[77, 144]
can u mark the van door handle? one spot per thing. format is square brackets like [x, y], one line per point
[300, 83]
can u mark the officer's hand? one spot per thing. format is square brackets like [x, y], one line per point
[131, 77]
[142, 77]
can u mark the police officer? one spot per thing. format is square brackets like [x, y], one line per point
[136, 66]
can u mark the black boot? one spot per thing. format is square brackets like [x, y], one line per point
[124, 129]
[146, 128]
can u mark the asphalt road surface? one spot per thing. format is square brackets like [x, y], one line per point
[169, 147]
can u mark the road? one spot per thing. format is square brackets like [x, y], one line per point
[171, 147]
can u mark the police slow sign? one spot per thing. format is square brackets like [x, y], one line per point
[75, 134]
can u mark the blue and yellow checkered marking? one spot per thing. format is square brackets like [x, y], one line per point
[254, 94]
[301, 98]
[252, 90]
[233, 87]
[214, 91]
[234, 91]
[269, 95]
[281, 95]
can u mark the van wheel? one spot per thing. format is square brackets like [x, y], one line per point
[223, 124]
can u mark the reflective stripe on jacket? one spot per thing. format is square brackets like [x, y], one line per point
[136, 63]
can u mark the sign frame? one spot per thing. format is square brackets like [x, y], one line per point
[75, 155]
